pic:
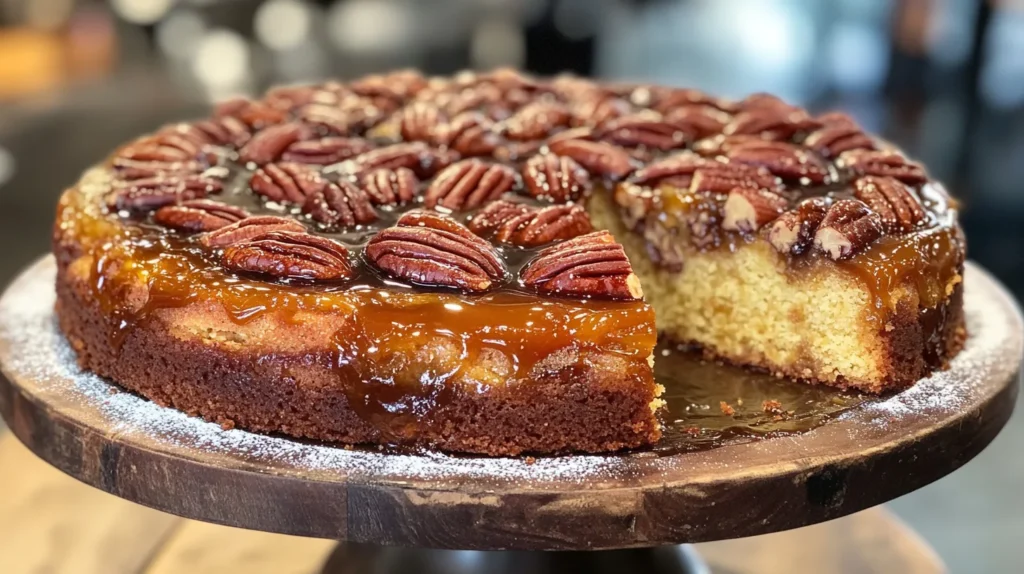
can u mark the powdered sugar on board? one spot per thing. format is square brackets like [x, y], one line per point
[34, 349]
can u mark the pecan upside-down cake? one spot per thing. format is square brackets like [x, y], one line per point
[457, 262]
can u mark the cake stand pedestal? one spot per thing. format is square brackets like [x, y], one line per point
[622, 503]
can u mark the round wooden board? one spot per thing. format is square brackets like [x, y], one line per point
[159, 457]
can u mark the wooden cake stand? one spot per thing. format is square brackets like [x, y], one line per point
[866, 455]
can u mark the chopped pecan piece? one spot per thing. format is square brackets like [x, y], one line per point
[646, 129]
[419, 121]
[197, 215]
[268, 145]
[387, 186]
[325, 151]
[286, 182]
[536, 120]
[469, 184]
[793, 232]
[154, 192]
[591, 265]
[887, 163]
[838, 133]
[289, 255]
[894, 202]
[849, 226]
[340, 204]
[747, 209]
[470, 134]
[599, 158]
[429, 249]
[247, 229]
[782, 159]
[557, 178]
[527, 226]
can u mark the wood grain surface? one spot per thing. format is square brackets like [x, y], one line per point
[872, 454]
[53, 524]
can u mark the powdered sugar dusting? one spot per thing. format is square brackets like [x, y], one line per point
[32, 348]
[39, 352]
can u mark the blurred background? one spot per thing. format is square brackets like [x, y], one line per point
[942, 78]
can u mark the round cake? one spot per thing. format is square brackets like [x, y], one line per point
[484, 263]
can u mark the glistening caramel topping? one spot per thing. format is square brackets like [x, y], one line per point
[515, 158]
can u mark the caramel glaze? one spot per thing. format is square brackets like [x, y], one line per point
[389, 325]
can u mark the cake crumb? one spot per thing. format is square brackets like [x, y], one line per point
[530, 460]
[726, 408]
[693, 431]
[227, 424]
[772, 406]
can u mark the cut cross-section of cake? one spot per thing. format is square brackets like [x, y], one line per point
[484, 263]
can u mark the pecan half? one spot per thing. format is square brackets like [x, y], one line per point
[167, 147]
[717, 177]
[849, 226]
[837, 134]
[416, 156]
[527, 226]
[419, 121]
[289, 255]
[247, 229]
[676, 169]
[646, 129]
[150, 193]
[894, 202]
[887, 163]
[536, 120]
[128, 169]
[599, 158]
[325, 151]
[782, 159]
[748, 208]
[591, 265]
[387, 186]
[699, 120]
[469, 184]
[340, 204]
[268, 145]
[225, 131]
[286, 182]
[397, 85]
[256, 115]
[793, 232]
[668, 100]
[557, 178]
[598, 108]
[770, 118]
[432, 250]
[470, 134]
[332, 120]
[199, 215]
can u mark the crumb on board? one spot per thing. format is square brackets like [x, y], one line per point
[772, 406]
[726, 408]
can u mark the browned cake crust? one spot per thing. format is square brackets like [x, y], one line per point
[418, 261]
[593, 410]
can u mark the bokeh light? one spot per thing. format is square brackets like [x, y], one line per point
[141, 11]
[283, 24]
[222, 60]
